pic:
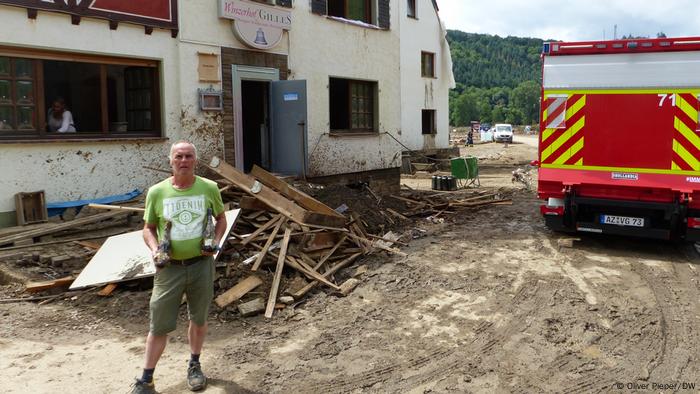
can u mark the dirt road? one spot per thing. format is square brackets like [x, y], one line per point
[492, 302]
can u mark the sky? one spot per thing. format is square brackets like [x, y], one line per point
[573, 20]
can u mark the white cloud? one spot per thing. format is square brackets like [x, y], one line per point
[573, 20]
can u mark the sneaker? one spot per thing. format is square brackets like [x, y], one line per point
[141, 387]
[196, 380]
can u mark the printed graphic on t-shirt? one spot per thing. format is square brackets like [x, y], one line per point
[187, 216]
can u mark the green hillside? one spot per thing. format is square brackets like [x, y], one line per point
[498, 79]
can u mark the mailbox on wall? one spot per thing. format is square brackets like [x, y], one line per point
[211, 99]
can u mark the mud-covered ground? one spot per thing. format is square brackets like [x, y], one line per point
[490, 301]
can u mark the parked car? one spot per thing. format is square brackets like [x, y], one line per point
[503, 132]
[485, 127]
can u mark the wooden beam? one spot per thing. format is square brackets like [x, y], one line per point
[239, 290]
[272, 299]
[275, 219]
[265, 248]
[116, 207]
[270, 197]
[287, 190]
[107, 290]
[53, 228]
[330, 253]
[326, 274]
[253, 203]
[34, 287]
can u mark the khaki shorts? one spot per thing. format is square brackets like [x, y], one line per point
[170, 283]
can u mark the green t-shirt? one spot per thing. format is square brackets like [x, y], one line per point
[186, 210]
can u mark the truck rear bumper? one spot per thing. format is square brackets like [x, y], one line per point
[662, 220]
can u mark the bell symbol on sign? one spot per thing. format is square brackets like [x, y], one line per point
[260, 37]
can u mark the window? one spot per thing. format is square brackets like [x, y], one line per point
[352, 105]
[429, 126]
[555, 112]
[107, 97]
[411, 8]
[427, 64]
[360, 10]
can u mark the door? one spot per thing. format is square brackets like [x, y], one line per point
[288, 127]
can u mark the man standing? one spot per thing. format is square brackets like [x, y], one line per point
[182, 200]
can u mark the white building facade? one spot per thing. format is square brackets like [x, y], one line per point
[308, 87]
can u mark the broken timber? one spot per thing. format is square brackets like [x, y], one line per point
[236, 292]
[274, 199]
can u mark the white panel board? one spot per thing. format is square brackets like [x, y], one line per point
[125, 257]
[624, 70]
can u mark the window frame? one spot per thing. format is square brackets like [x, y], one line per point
[411, 11]
[372, 88]
[423, 63]
[39, 134]
[433, 122]
[346, 10]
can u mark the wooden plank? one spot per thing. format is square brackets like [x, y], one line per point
[265, 248]
[247, 202]
[326, 274]
[272, 198]
[348, 286]
[387, 240]
[319, 241]
[287, 190]
[408, 200]
[398, 215]
[272, 299]
[238, 291]
[311, 273]
[34, 287]
[378, 245]
[251, 308]
[116, 207]
[322, 219]
[330, 253]
[61, 226]
[89, 245]
[256, 189]
[270, 223]
[107, 290]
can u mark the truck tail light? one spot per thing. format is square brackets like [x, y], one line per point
[693, 222]
[548, 210]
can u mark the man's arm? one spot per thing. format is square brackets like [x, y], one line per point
[150, 236]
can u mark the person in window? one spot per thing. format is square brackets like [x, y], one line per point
[60, 119]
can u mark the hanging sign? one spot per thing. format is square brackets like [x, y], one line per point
[154, 13]
[256, 25]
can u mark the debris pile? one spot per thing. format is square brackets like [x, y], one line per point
[283, 244]
[296, 237]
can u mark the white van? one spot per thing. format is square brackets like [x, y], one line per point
[503, 132]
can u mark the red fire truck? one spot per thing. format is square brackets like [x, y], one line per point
[619, 148]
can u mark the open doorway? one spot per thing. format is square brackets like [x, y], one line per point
[255, 124]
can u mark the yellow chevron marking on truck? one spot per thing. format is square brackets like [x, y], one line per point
[687, 132]
[686, 107]
[569, 153]
[674, 166]
[686, 156]
[563, 138]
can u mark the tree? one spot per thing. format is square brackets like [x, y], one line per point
[526, 99]
[464, 110]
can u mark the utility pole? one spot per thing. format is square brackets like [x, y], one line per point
[615, 33]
